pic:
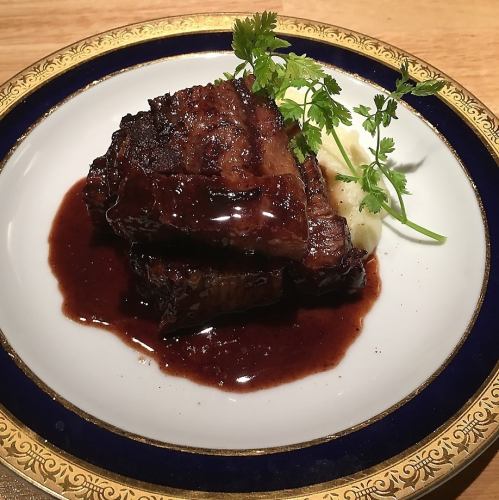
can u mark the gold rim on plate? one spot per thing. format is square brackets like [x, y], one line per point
[411, 473]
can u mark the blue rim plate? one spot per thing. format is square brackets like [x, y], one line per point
[409, 450]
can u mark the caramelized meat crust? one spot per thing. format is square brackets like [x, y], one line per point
[330, 264]
[219, 216]
[189, 287]
[213, 139]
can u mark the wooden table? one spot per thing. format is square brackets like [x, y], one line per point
[461, 38]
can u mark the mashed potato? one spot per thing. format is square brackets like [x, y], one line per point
[365, 227]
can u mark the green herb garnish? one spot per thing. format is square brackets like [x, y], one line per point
[256, 44]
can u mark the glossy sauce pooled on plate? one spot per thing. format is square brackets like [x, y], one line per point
[262, 348]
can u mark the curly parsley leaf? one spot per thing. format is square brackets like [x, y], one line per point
[398, 180]
[256, 34]
[312, 135]
[428, 87]
[386, 146]
[291, 110]
[373, 201]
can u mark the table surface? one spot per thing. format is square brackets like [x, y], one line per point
[461, 38]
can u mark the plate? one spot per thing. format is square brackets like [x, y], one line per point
[415, 397]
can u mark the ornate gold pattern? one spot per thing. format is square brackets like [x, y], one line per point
[448, 448]
[60, 62]
[426, 464]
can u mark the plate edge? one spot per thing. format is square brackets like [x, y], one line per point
[407, 475]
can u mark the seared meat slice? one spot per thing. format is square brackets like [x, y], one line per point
[189, 287]
[131, 143]
[223, 130]
[331, 263]
[206, 189]
[222, 136]
[269, 217]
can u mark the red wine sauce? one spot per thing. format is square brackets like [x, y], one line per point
[262, 348]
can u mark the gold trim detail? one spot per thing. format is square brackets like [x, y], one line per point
[61, 61]
[457, 442]
[412, 472]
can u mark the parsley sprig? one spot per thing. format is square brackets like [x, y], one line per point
[256, 44]
[376, 198]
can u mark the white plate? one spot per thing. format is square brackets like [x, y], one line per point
[408, 335]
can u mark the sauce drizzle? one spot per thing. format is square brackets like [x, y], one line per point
[245, 352]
